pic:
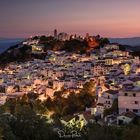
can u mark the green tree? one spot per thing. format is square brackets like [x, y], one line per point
[97, 132]
[35, 37]
[89, 88]
[24, 122]
[113, 109]
[131, 133]
[1, 135]
[74, 45]
[6, 131]
[30, 126]
[104, 41]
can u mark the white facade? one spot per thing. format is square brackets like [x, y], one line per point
[106, 100]
[129, 100]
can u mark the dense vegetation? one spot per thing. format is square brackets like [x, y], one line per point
[22, 122]
[73, 45]
[25, 122]
[16, 54]
[26, 118]
[24, 52]
[113, 109]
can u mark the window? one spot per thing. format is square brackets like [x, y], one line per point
[134, 94]
[108, 97]
[135, 110]
[136, 102]
[127, 109]
[125, 94]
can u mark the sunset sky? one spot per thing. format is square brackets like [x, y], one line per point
[110, 18]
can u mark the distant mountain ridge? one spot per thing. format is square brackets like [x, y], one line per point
[6, 43]
[134, 41]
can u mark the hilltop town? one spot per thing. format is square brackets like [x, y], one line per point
[97, 81]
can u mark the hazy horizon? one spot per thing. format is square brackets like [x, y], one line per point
[20, 19]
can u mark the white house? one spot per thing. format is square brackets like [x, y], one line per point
[129, 100]
[106, 100]
[125, 118]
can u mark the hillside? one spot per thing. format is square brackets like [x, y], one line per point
[134, 41]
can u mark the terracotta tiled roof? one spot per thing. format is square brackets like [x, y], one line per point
[128, 114]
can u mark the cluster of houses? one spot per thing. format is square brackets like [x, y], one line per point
[116, 73]
[45, 77]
